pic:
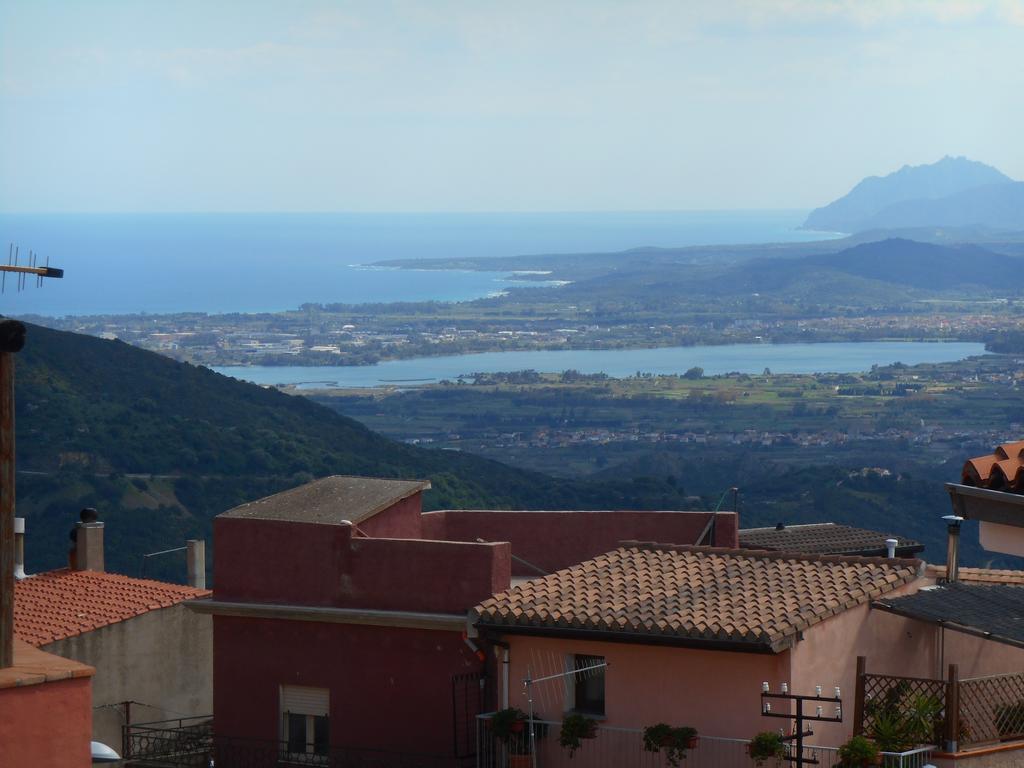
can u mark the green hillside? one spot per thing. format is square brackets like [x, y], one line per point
[160, 447]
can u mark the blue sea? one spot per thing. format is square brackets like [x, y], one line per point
[214, 263]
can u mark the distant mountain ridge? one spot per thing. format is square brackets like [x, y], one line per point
[954, 191]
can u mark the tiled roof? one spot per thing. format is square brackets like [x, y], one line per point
[991, 609]
[978, 575]
[1001, 470]
[63, 603]
[687, 595]
[33, 666]
[330, 500]
[825, 539]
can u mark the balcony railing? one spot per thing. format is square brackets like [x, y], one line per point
[190, 743]
[620, 747]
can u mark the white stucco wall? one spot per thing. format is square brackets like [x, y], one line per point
[163, 659]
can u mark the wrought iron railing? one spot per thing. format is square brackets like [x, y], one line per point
[190, 743]
[183, 742]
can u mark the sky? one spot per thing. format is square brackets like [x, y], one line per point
[558, 105]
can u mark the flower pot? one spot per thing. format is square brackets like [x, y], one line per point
[693, 742]
[519, 761]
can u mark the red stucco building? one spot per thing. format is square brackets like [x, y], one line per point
[340, 611]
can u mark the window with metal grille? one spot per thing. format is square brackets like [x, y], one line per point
[305, 719]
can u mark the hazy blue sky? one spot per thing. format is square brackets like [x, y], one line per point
[515, 105]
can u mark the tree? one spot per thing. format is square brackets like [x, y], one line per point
[694, 373]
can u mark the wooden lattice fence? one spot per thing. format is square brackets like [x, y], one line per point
[992, 708]
[968, 712]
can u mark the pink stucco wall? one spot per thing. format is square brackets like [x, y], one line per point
[716, 692]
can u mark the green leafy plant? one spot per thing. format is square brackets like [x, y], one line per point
[900, 724]
[923, 722]
[674, 741]
[506, 722]
[576, 727]
[888, 732]
[767, 745]
[859, 752]
[512, 727]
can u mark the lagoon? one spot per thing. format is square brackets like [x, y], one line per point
[839, 357]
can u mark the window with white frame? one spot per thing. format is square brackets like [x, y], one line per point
[305, 719]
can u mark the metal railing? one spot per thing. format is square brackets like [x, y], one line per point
[247, 753]
[190, 743]
[621, 747]
[183, 742]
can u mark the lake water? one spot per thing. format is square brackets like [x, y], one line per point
[215, 263]
[844, 357]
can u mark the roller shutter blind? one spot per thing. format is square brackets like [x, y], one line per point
[301, 700]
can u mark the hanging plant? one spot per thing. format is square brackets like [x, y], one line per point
[767, 745]
[674, 741]
[575, 728]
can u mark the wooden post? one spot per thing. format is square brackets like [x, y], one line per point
[953, 709]
[858, 696]
[12, 339]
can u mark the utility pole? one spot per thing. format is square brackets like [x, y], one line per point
[800, 732]
[12, 339]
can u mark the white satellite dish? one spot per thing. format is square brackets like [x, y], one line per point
[101, 753]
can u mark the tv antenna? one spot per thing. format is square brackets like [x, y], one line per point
[22, 271]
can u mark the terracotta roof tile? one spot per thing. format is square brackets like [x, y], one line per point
[1001, 470]
[58, 604]
[978, 575]
[665, 592]
[825, 539]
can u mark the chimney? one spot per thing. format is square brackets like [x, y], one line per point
[89, 547]
[19, 548]
[890, 548]
[953, 548]
[196, 558]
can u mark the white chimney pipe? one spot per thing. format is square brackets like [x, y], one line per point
[890, 548]
[19, 548]
[953, 547]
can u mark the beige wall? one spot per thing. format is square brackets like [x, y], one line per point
[162, 658]
[716, 692]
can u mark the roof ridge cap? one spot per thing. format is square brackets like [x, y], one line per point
[766, 554]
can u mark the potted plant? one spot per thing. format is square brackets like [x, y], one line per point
[506, 722]
[859, 752]
[767, 745]
[675, 741]
[574, 728]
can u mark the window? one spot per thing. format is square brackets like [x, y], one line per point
[305, 721]
[589, 685]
